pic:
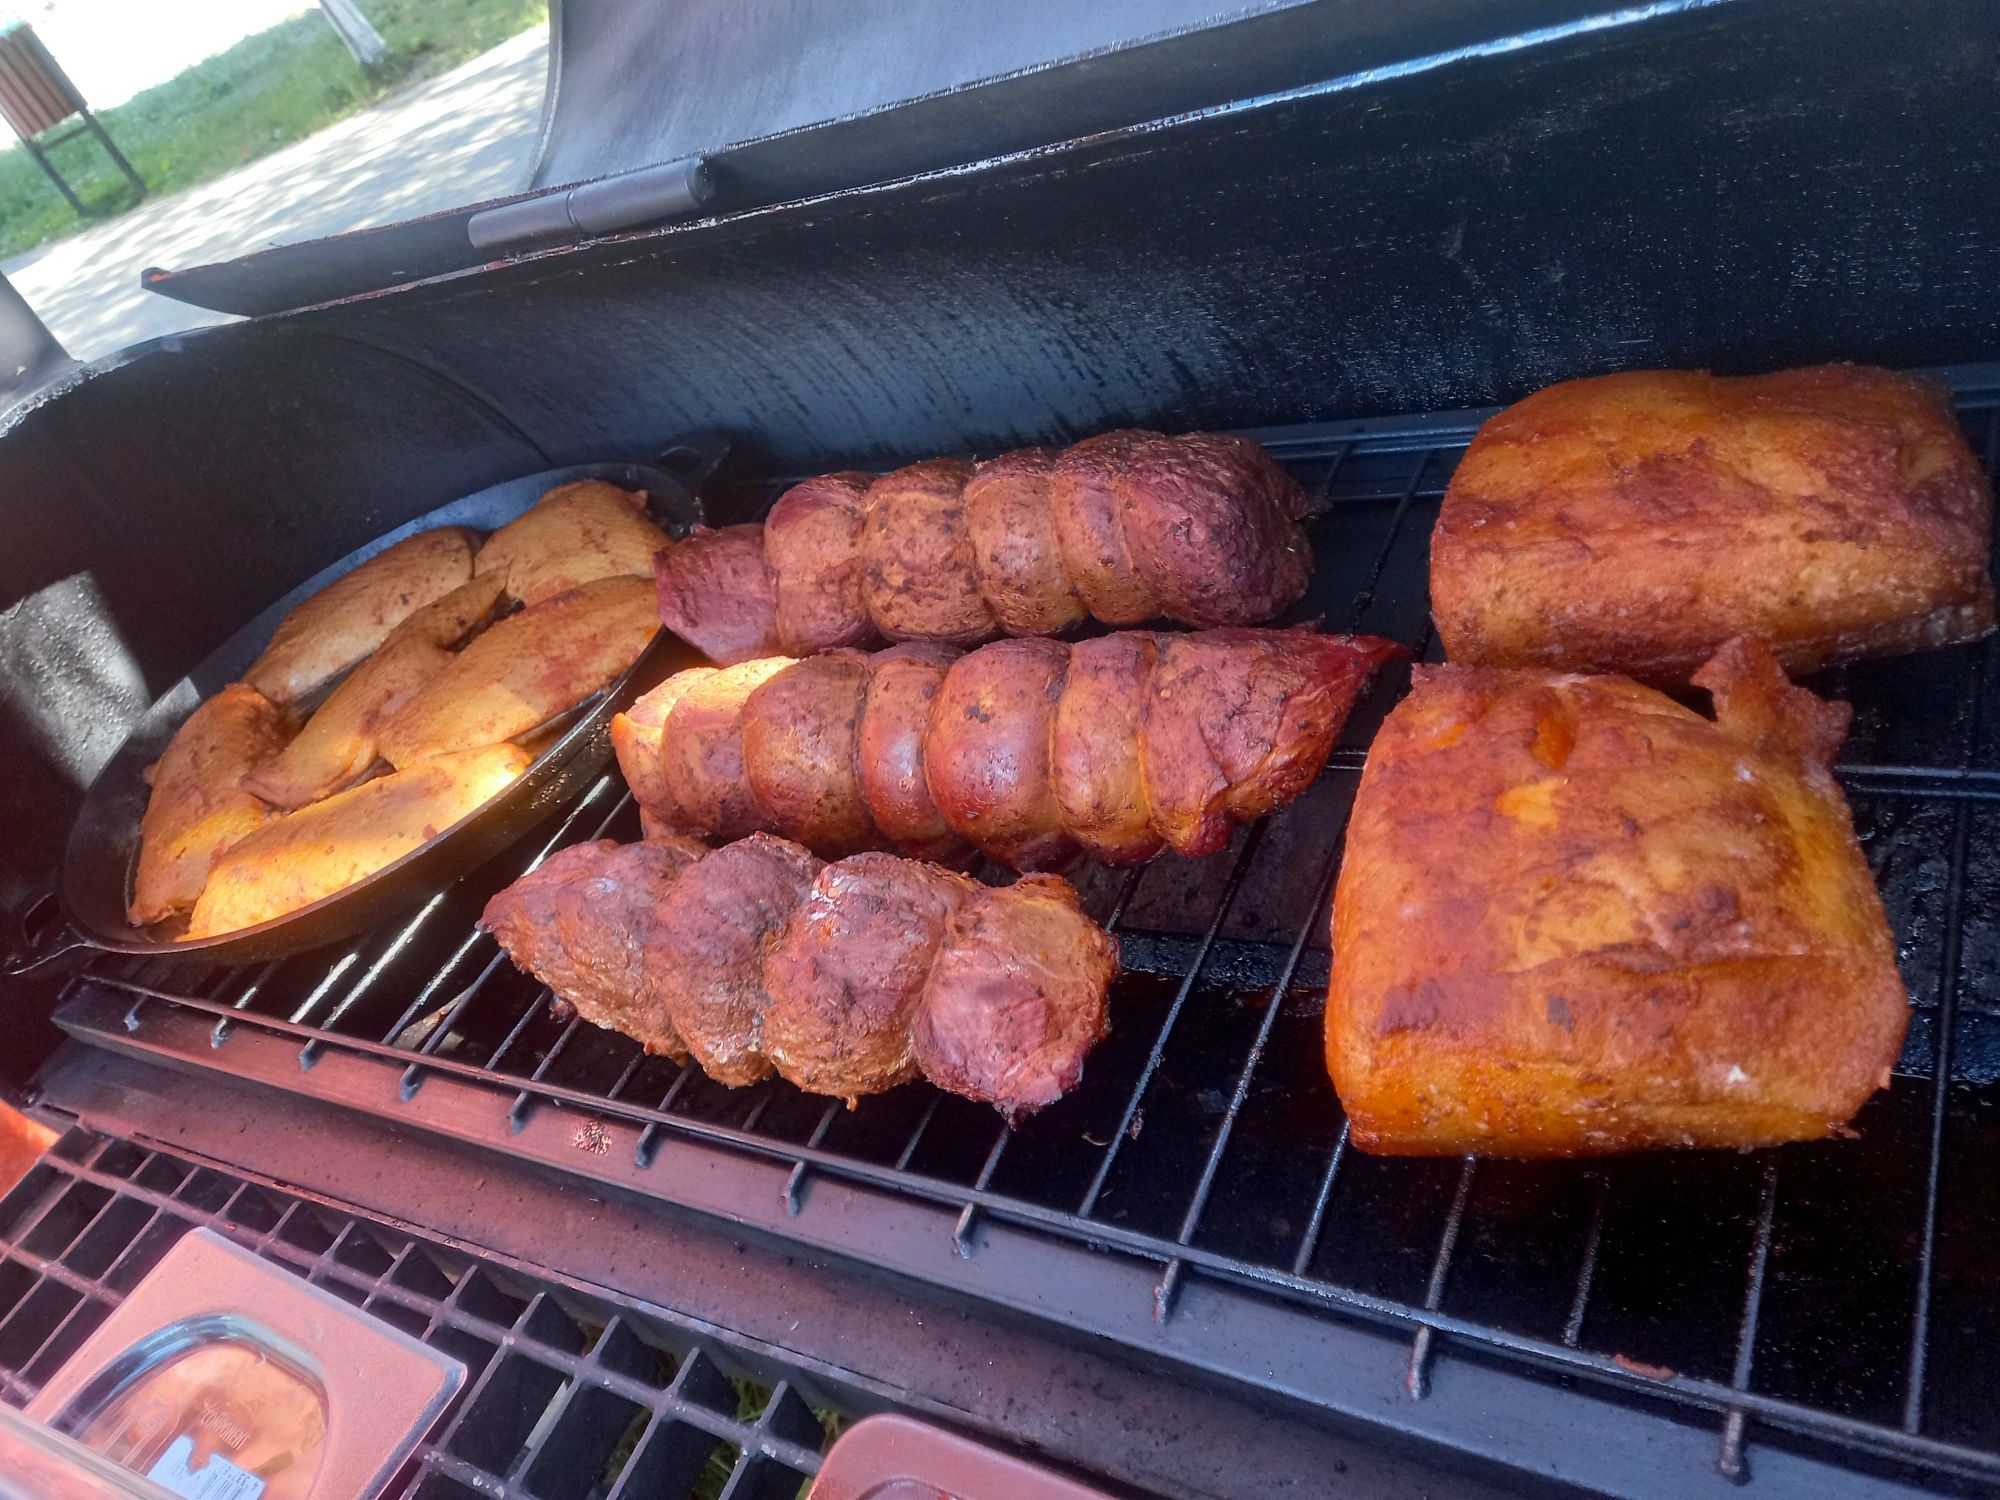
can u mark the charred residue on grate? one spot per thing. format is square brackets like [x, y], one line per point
[1836, 1296]
[566, 1397]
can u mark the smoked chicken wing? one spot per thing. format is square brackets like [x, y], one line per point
[295, 861]
[329, 632]
[525, 670]
[572, 535]
[198, 809]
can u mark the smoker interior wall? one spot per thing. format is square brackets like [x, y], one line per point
[1746, 185]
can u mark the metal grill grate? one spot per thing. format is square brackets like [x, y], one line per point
[567, 1396]
[1834, 1301]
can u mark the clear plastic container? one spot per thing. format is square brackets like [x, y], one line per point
[222, 1377]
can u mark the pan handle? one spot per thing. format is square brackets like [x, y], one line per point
[694, 459]
[44, 938]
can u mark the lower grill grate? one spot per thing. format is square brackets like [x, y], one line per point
[567, 1396]
[1835, 1301]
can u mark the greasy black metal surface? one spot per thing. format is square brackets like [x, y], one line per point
[96, 880]
[1698, 189]
[794, 99]
[1017, 1382]
[1814, 1315]
[568, 1394]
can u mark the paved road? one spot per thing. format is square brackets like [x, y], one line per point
[461, 137]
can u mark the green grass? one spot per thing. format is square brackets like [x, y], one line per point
[265, 92]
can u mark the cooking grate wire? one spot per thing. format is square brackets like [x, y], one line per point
[1247, 934]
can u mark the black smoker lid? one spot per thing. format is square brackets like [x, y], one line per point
[658, 111]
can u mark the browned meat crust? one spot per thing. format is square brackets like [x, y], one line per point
[894, 717]
[847, 978]
[1126, 526]
[917, 579]
[1016, 557]
[701, 754]
[1226, 726]
[1015, 999]
[716, 593]
[986, 756]
[812, 545]
[580, 923]
[1635, 522]
[1212, 523]
[799, 734]
[1096, 748]
[1241, 721]
[847, 973]
[1575, 917]
[707, 944]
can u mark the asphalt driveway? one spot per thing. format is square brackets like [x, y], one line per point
[458, 138]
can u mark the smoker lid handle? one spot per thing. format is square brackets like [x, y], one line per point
[629, 200]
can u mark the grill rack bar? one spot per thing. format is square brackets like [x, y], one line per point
[498, 1438]
[1242, 961]
[1682, 1390]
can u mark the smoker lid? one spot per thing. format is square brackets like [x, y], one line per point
[657, 112]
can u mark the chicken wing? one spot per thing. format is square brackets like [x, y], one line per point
[296, 861]
[198, 808]
[329, 632]
[337, 747]
[525, 670]
[572, 535]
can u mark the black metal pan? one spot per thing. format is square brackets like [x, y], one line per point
[96, 878]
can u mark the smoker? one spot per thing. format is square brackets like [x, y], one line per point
[852, 240]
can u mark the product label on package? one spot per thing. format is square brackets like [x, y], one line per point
[218, 1479]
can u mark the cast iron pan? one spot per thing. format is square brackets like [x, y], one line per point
[97, 864]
